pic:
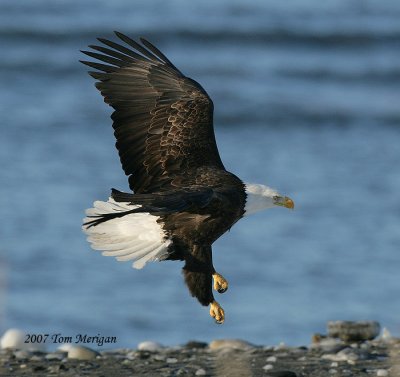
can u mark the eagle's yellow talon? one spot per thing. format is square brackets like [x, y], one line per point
[220, 283]
[217, 312]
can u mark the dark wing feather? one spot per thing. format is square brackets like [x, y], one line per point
[158, 204]
[167, 202]
[163, 121]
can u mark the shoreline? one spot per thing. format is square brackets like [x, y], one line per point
[325, 356]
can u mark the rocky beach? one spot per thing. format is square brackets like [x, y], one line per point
[348, 349]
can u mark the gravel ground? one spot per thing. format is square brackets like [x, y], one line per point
[326, 356]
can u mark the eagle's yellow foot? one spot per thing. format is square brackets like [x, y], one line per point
[217, 312]
[220, 283]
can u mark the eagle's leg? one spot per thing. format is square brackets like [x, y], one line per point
[220, 283]
[198, 272]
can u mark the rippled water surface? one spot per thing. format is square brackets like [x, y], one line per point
[306, 99]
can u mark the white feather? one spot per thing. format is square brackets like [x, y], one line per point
[137, 254]
[136, 236]
[154, 255]
[129, 249]
[134, 250]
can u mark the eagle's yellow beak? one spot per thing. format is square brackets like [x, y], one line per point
[284, 201]
[289, 203]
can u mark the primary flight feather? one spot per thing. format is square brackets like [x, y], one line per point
[183, 198]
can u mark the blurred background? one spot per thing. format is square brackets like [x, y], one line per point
[306, 98]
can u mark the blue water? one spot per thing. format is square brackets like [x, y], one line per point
[306, 100]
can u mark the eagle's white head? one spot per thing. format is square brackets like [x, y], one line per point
[259, 197]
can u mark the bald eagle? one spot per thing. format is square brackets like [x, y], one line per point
[183, 198]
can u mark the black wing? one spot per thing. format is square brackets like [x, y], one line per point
[163, 121]
[158, 204]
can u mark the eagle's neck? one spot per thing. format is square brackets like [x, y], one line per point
[258, 197]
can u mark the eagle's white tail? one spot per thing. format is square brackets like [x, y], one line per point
[132, 236]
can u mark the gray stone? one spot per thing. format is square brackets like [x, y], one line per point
[347, 372]
[81, 353]
[349, 354]
[160, 357]
[382, 373]
[351, 331]
[268, 367]
[56, 355]
[150, 346]
[36, 358]
[230, 344]
[22, 354]
[131, 355]
[15, 339]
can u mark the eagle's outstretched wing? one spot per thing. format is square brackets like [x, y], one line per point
[163, 121]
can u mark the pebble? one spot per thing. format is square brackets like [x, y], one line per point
[271, 359]
[200, 372]
[22, 354]
[56, 355]
[15, 338]
[268, 367]
[131, 355]
[328, 345]
[172, 360]
[149, 346]
[350, 331]
[348, 354]
[333, 357]
[382, 373]
[36, 358]
[159, 357]
[230, 344]
[81, 353]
